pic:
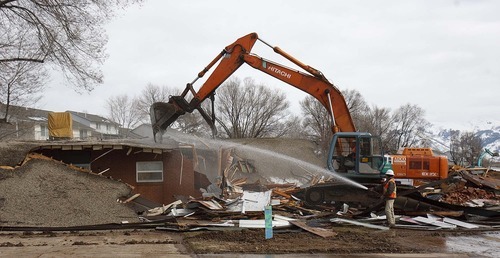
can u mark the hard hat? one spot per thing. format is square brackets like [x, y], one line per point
[389, 172]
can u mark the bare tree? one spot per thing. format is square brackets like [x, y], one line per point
[356, 104]
[465, 147]
[316, 119]
[293, 127]
[378, 122]
[20, 84]
[408, 123]
[123, 110]
[151, 94]
[250, 110]
[66, 34]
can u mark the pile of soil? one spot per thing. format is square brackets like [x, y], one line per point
[47, 193]
[13, 153]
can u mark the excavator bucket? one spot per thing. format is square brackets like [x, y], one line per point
[162, 116]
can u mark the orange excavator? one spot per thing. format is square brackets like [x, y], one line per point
[367, 162]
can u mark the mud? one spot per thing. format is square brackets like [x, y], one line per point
[349, 242]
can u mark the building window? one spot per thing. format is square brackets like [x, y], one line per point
[149, 171]
[43, 131]
[97, 126]
[83, 134]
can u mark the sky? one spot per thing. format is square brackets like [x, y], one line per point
[443, 56]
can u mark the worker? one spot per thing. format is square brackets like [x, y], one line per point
[350, 160]
[389, 195]
[352, 155]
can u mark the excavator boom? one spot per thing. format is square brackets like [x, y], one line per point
[229, 60]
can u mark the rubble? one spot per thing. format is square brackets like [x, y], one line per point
[244, 208]
[236, 200]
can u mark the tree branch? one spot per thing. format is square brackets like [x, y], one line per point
[17, 59]
[4, 2]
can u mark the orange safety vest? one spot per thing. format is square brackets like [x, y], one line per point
[386, 186]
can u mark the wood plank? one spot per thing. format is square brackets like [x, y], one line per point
[357, 223]
[322, 232]
[280, 193]
[132, 198]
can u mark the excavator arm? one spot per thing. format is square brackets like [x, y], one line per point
[230, 59]
[318, 87]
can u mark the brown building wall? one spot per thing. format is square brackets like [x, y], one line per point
[178, 174]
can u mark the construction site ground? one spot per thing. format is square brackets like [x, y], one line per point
[350, 241]
[45, 194]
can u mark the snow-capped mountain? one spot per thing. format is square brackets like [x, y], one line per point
[489, 131]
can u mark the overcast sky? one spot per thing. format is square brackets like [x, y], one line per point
[443, 56]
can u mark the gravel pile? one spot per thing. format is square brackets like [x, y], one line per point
[13, 153]
[48, 193]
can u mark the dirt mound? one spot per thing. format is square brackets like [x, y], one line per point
[13, 153]
[47, 193]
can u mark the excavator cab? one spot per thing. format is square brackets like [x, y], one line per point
[356, 155]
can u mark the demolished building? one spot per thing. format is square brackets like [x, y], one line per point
[178, 177]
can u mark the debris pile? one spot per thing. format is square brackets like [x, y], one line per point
[47, 193]
[470, 189]
[467, 195]
[240, 204]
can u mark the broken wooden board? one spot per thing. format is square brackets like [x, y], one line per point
[482, 181]
[210, 204]
[357, 223]
[322, 232]
[204, 223]
[133, 197]
[435, 222]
